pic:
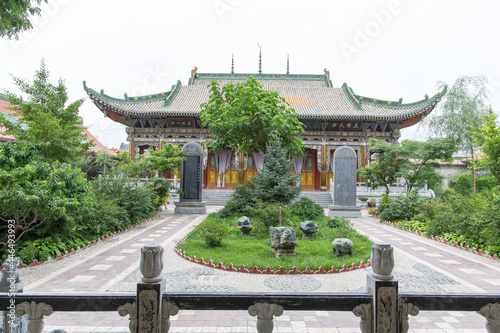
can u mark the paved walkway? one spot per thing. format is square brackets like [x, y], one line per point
[422, 265]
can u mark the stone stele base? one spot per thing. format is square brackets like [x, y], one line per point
[187, 207]
[344, 211]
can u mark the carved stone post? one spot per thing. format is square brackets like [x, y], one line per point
[10, 282]
[265, 313]
[492, 314]
[150, 291]
[35, 313]
[384, 289]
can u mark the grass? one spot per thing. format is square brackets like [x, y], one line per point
[256, 250]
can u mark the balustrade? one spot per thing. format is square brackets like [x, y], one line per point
[381, 309]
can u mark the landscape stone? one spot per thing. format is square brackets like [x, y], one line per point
[342, 246]
[344, 184]
[245, 225]
[309, 228]
[283, 240]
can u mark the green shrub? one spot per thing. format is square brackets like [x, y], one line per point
[213, 230]
[268, 215]
[161, 191]
[240, 199]
[373, 211]
[402, 208]
[463, 183]
[416, 225]
[307, 209]
[339, 222]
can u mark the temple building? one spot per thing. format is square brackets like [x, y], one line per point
[333, 117]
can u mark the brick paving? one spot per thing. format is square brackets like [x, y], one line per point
[422, 265]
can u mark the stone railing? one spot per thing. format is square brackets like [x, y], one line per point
[380, 309]
[395, 190]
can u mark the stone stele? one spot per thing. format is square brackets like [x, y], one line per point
[344, 184]
[190, 201]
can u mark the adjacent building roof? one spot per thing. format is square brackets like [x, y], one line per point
[10, 114]
[311, 95]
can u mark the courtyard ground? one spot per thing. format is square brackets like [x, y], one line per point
[421, 265]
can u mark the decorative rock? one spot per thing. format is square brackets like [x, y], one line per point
[309, 228]
[245, 225]
[342, 246]
[283, 240]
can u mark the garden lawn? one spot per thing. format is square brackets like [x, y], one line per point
[256, 250]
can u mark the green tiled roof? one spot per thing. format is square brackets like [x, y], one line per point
[312, 96]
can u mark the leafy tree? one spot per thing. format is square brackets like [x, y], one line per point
[46, 119]
[488, 138]
[15, 16]
[166, 159]
[420, 159]
[247, 117]
[276, 183]
[466, 102]
[33, 191]
[103, 161]
[412, 160]
[384, 169]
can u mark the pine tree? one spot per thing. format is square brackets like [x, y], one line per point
[276, 183]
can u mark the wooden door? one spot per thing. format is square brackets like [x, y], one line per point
[212, 172]
[251, 170]
[307, 177]
[231, 175]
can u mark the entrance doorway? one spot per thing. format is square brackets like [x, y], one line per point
[308, 174]
[230, 176]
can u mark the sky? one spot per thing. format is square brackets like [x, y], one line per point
[385, 49]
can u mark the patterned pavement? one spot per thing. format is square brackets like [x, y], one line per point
[422, 265]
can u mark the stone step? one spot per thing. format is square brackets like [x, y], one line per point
[220, 197]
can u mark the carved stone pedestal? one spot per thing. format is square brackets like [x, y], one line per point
[353, 212]
[283, 252]
[190, 207]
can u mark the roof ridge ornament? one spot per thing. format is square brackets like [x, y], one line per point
[260, 57]
[327, 73]
[232, 64]
[194, 71]
[287, 64]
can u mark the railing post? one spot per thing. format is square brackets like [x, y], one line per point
[11, 283]
[492, 314]
[384, 289]
[265, 313]
[150, 290]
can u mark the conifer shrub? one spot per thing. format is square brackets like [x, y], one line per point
[307, 209]
[276, 183]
